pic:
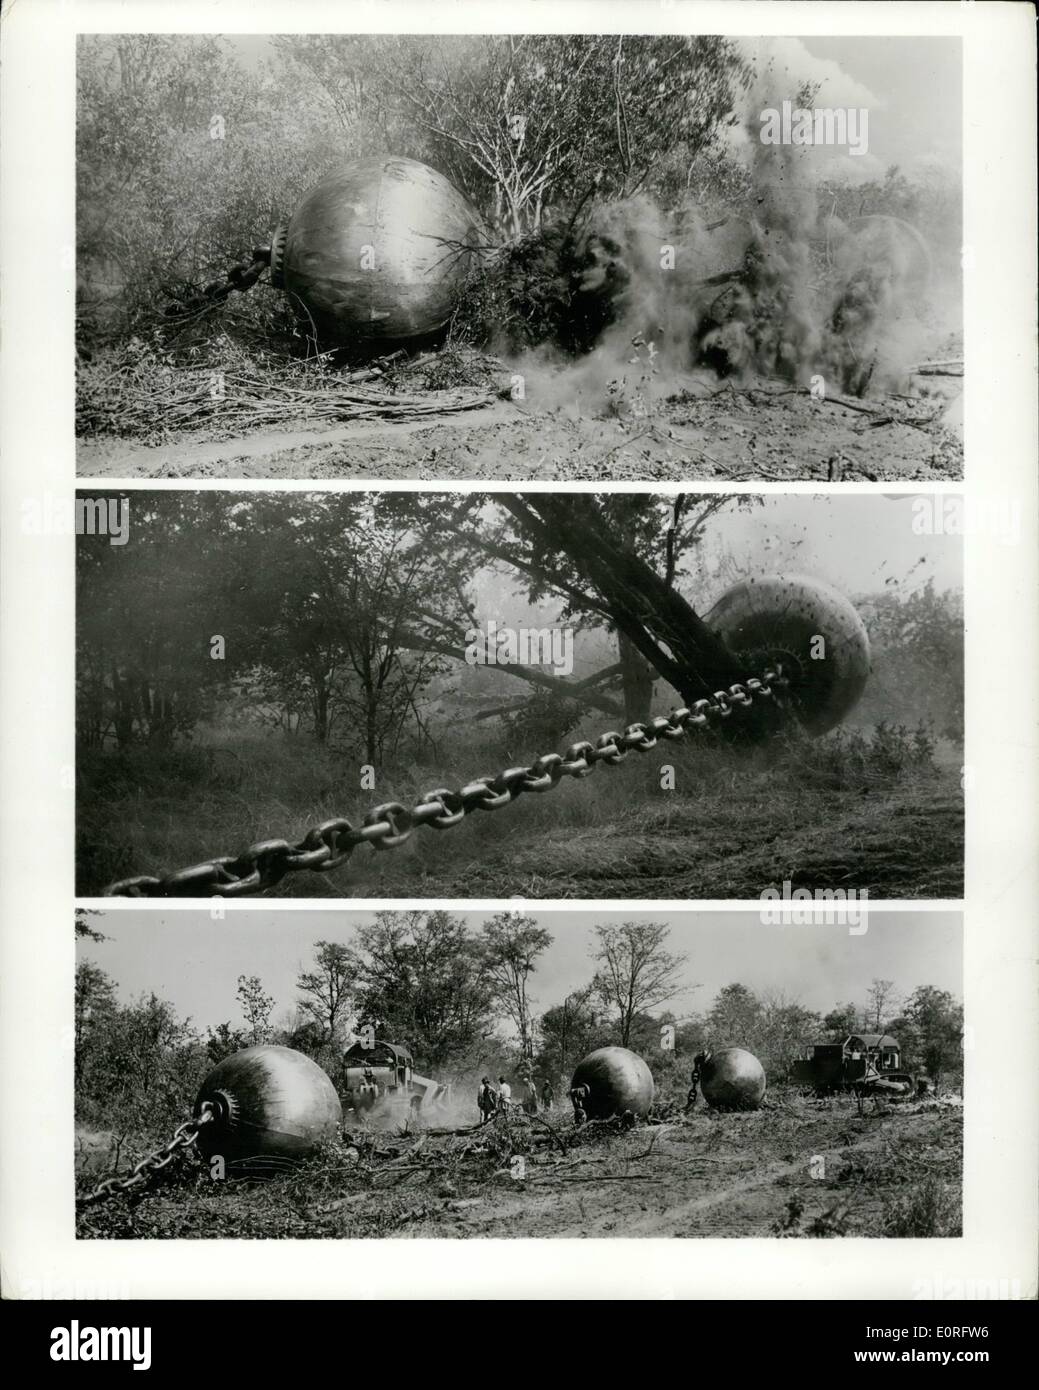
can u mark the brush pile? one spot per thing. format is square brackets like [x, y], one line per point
[138, 391]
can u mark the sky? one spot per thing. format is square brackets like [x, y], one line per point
[194, 962]
[858, 544]
[911, 87]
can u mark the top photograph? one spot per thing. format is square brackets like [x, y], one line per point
[519, 258]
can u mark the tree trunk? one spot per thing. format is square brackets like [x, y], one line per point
[661, 624]
[636, 681]
[321, 712]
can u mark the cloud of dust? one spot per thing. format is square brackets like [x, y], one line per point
[786, 291]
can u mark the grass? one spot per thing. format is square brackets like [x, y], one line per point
[869, 812]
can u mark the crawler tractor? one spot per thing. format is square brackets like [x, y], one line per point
[866, 1063]
[381, 1074]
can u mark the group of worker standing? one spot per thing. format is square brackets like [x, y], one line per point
[493, 1102]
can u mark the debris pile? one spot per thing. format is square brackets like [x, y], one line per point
[139, 393]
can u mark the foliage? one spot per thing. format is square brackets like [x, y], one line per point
[313, 600]
[930, 1030]
[525, 123]
[256, 1006]
[422, 980]
[568, 1032]
[773, 1027]
[917, 642]
[137, 1066]
[326, 993]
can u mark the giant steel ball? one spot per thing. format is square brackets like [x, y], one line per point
[732, 1079]
[271, 1105]
[377, 252]
[617, 1080]
[810, 630]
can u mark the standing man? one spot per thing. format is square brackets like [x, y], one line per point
[504, 1094]
[486, 1100]
[548, 1095]
[530, 1104]
[698, 1062]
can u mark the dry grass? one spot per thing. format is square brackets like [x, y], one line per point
[224, 390]
[824, 814]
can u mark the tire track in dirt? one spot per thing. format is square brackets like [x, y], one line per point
[666, 1222]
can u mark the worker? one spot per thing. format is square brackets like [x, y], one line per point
[530, 1103]
[548, 1095]
[504, 1094]
[578, 1096]
[698, 1062]
[486, 1099]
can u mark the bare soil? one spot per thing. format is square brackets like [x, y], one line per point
[748, 433]
[795, 1168]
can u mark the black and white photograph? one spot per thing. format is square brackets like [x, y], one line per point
[429, 695]
[516, 658]
[328, 1074]
[519, 256]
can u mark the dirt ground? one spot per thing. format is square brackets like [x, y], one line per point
[797, 1167]
[745, 433]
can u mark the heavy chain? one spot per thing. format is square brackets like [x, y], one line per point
[183, 1138]
[329, 845]
[239, 278]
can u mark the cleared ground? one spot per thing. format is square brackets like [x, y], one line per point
[764, 432]
[797, 1167]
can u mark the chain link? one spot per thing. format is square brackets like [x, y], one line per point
[183, 1137]
[239, 278]
[329, 845]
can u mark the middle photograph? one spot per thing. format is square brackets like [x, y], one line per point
[519, 695]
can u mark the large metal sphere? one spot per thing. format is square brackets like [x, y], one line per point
[780, 618]
[272, 1104]
[617, 1080]
[732, 1079]
[378, 251]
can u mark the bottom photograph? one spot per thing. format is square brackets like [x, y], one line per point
[789, 1072]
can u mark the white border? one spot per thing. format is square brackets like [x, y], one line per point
[36, 233]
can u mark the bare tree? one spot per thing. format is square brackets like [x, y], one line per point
[880, 992]
[327, 991]
[636, 971]
[512, 943]
[256, 1005]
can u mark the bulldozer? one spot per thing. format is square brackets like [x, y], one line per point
[381, 1075]
[869, 1064]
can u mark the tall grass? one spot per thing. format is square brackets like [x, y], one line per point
[146, 812]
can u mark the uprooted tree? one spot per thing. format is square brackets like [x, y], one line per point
[613, 561]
